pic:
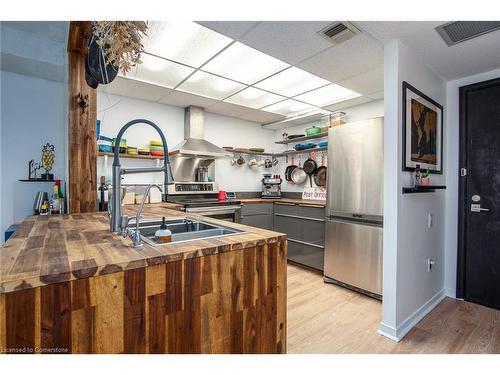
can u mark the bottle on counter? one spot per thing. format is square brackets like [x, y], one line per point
[163, 235]
[61, 196]
[55, 206]
[44, 210]
[417, 179]
[103, 195]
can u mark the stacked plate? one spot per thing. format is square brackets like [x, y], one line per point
[123, 145]
[156, 147]
[132, 150]
[104, 144]
[143, 151]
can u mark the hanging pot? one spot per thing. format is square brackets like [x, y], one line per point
[96, 66]
[321, 173]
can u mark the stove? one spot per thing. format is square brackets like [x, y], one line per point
[201, 198]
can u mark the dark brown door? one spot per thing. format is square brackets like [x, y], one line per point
[480, 190]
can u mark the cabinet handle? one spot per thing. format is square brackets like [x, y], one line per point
[285, 203]
[301, 217]
[306, 243]
[311, 205]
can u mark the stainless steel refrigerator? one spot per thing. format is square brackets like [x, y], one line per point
[353, 241]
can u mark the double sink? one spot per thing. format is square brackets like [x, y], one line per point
[183, 229]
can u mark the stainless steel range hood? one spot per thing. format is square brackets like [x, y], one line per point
[194, 144]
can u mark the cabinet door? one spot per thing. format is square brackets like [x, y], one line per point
[256, 209]
[305, 254]
[260, 221]
[288, 225]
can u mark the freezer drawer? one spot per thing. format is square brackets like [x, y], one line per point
[353, 254]
[306, 254]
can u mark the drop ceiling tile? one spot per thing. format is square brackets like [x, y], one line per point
[244, 64]
[209, 85]
[261, 117]
[184, 99]
[134, 89]
[254, 98]
[291, 82]
[228, 109]
[348, 103]
[289, 107]
[366, 83]
[351, 58]
[184, 41]
[327, 95]
[159, 71]
[290, 41]
[232, 29]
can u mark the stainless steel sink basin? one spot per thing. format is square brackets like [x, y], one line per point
[183, 229]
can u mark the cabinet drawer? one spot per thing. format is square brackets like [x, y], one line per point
[260, 221]
[312, 232]
[311, 211]
[285, 208]
[288, 225]
[307, 255]
[258, 208]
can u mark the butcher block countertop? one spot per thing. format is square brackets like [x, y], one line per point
[52, 249]
[283, 200]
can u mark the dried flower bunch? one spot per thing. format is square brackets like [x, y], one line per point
[121, 42]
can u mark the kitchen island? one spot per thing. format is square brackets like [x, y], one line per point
[68, 285]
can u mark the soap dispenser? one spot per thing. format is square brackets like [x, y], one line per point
[163, 235]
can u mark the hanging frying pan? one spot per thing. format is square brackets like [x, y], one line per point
[298, 175]
[320, 175]
[288, 171]
[310, 167]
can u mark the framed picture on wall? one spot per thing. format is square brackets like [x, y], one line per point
[422, 131]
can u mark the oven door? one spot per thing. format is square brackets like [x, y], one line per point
[226, 213]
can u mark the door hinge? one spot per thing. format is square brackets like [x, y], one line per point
[463, 172]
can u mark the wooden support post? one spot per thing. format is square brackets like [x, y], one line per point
[82, 142]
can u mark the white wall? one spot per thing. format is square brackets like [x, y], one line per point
[360, 112]
[452, 166]
[409, 290]
[33, 113]
[114, 111]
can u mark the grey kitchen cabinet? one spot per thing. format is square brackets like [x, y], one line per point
[305, 228]
[257, 215]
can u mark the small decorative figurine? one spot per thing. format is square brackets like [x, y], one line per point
[48, 157]
[32, 168]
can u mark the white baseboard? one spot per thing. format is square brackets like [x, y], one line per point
[396, 334]
[452, 293]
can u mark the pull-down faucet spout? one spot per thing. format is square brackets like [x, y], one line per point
[115, 214]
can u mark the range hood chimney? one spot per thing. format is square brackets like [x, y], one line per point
[194, 144]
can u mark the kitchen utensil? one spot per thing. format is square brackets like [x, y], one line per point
[261, 163]
[310, 167]
[293, 136]
[221, 196]
[156, 142]
[241, 160]
[105, 148]
[313, 131]
[268, 163]
[240, 149]
[157, 153]
[304, 146]
[298, 175]
[275, 160]
[257, 149]
[252, 162]
[228, 148]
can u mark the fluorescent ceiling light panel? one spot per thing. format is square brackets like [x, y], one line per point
[327, 95]
[159, 71]
[289, 107]
[186, 42]
[291, 82]
[254, 98]
[244, 64]
[205, 84]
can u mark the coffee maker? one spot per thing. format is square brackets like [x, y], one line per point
[271, 186]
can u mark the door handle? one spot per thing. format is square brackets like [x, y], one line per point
[478, 208]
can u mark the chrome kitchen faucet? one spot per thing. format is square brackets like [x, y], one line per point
[119, 223]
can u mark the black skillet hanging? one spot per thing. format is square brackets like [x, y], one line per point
[96, 68]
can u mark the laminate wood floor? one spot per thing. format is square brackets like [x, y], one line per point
[325, 318]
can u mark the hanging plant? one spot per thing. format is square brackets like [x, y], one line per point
[120, 42]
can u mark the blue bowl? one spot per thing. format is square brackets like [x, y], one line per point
[105, 148]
